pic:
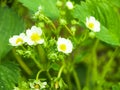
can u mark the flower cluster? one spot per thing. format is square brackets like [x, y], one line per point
[33, 36]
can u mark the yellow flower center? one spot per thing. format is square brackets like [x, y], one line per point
[36, 86]
[35, 37]
[63, 47]
[19, 40]
[91, 25]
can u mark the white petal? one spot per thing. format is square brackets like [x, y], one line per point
[22, 35]
[31, 85]
[28, 32]
[29, 41]
[91, 19]
[36, 30]
[12, 40]
[41, 41]
[44, 83]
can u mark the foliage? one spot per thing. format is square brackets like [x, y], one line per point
[10, 24]
[49, 7]
[105, 13]
[9, 75]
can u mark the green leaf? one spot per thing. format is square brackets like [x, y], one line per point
[115, 2]
[107, 36]
[49, 7]
[10, 24]
[81, 11]
[106, 14]
[9, 75]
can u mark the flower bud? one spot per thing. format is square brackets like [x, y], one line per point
[69, 5]
[73, 22]
[92, 35]
[73, 29]
[59, 3]
[63, 22]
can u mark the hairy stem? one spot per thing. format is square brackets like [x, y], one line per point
[37, 77]
[36, 62]
[60, 71]
[76, 80]
[108, 65]
[68, 30]
[94, 57]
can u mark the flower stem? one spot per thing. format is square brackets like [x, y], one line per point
[60, 71]
[83, 36]
[70, 85]
[48, 20]
[36, 62]
[108, 65]
[33, 58]
[37, 77]
[41, 55]
[48, 74]
[94, 57]
[68, 30]
[22, 64]
[76, 80]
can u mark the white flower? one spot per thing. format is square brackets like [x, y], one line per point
[69, 5]
[17, 40]
[34, 36]
[64, 45]
[93, 24]
[38, 85]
